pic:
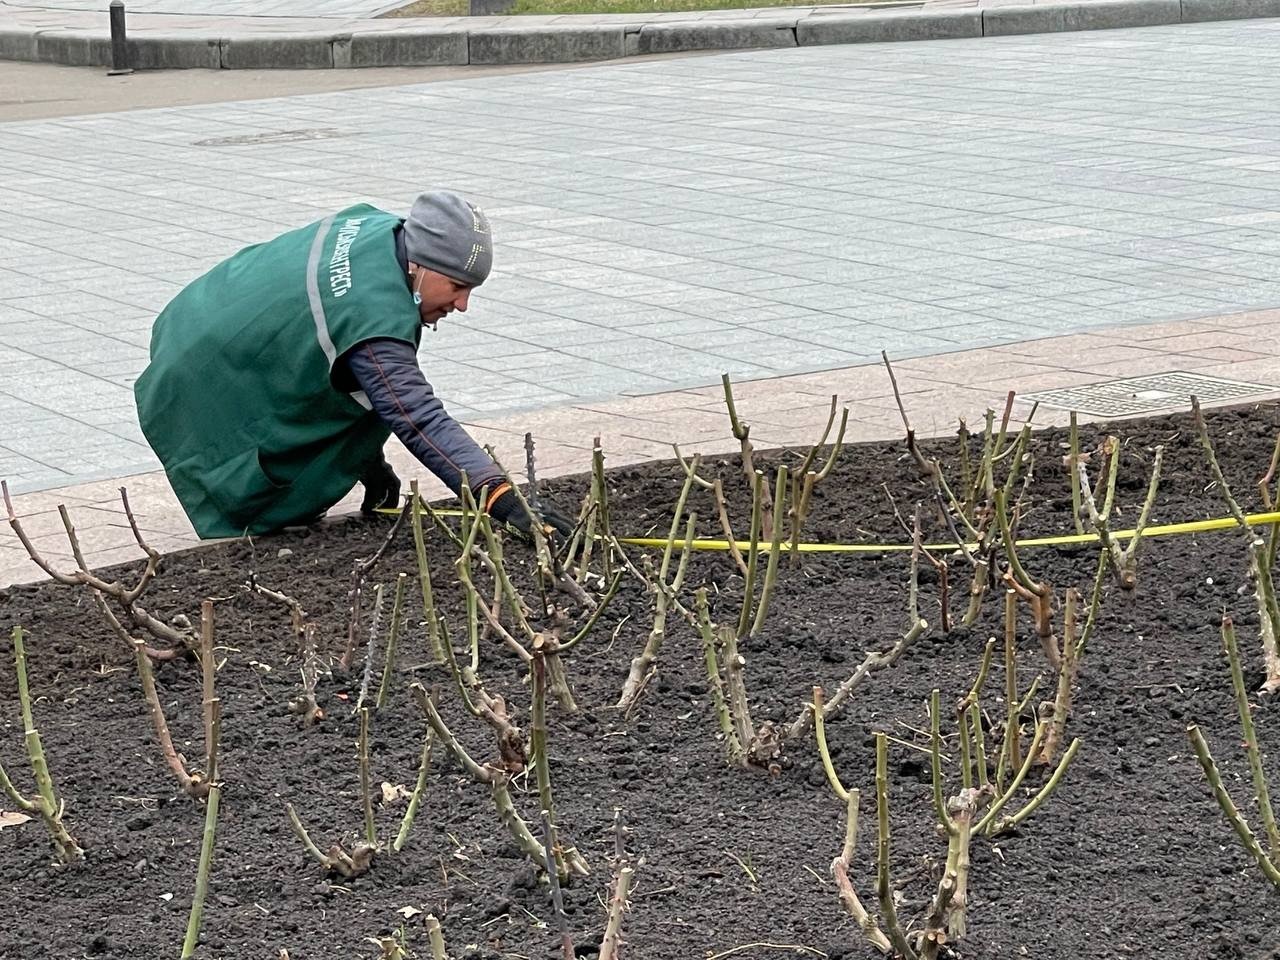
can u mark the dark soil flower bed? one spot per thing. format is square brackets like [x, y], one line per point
[1130, 857]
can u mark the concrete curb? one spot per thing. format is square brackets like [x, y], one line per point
[568, 42]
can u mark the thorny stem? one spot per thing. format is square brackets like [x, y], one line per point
[465, 680]
[1066, 680]
[305, 703]
[541, 762]
[1206, 445]
[1006, 795]
[359, 574]
[1009, 750]
[742, 433]
[48, 806]
[884, 890]
[1268, 502]
[435, 937]
[872, 661]
[1039, 594]
[1123, 560]
[1131, 552]
[1095, 603]
[801, 492]
[1112, 448]
[493, 562]
[370, 647]
[753, 553]
[601, 494]
[771, 571]
[935, 761]
[495, 566]
[1017, 454]
[820, 735]
[1009, 823]
[953, 892]
[706, 630]
[495, 779]
[981, 479]
[1268, 613]
[297, 616]
[595, 614]
[618, 904]
[913, 570]
[554, 866]
[974, 709]
[192, 785]
[1229, 809]
[424, 576]
[1004, 422]
[977, 590]
[840, 873]
[963, 438]
[651, 586]
[735, 680]
[35, 749]
[551, 570]
[1251, 740]
[305, 837]
[966, 747]
[393, 634]
[336, 860]
[366, 793]
[202, 873]
[931, 469]
[717, 490]
[208, 669]
[406, 824]
[643, 665]
[1073, 465]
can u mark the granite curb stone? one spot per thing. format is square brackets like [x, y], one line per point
[295, 52]
[1102, 15]
[410, 48]
[567, 44]
[1199, 11]
[730, 35]
[564, 41]
[889, 27]
[18, 45]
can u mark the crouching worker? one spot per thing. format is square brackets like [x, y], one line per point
[276, 378]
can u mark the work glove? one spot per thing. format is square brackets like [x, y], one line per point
[503, 505]
[381, 487]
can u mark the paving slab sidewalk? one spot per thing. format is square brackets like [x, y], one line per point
[660, 223]
[341, 33]
[782, 411]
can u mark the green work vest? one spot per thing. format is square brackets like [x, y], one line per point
[241, 401]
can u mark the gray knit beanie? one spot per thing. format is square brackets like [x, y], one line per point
[447, 234]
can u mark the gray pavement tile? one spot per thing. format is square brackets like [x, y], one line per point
[661, 222]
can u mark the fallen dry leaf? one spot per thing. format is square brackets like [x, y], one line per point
[12, 818]
[394, 793]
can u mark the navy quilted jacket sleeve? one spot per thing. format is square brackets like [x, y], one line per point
[388, 373]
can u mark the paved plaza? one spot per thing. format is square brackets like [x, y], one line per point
[1091, 204]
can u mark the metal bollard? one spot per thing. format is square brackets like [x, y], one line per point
[119, 45]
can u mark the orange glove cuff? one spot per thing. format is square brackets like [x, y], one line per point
[493, 497]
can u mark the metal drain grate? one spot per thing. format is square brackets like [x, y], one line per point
[1160, 391]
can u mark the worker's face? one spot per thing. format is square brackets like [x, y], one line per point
[440, 295]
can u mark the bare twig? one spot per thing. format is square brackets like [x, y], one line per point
[192, 938]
